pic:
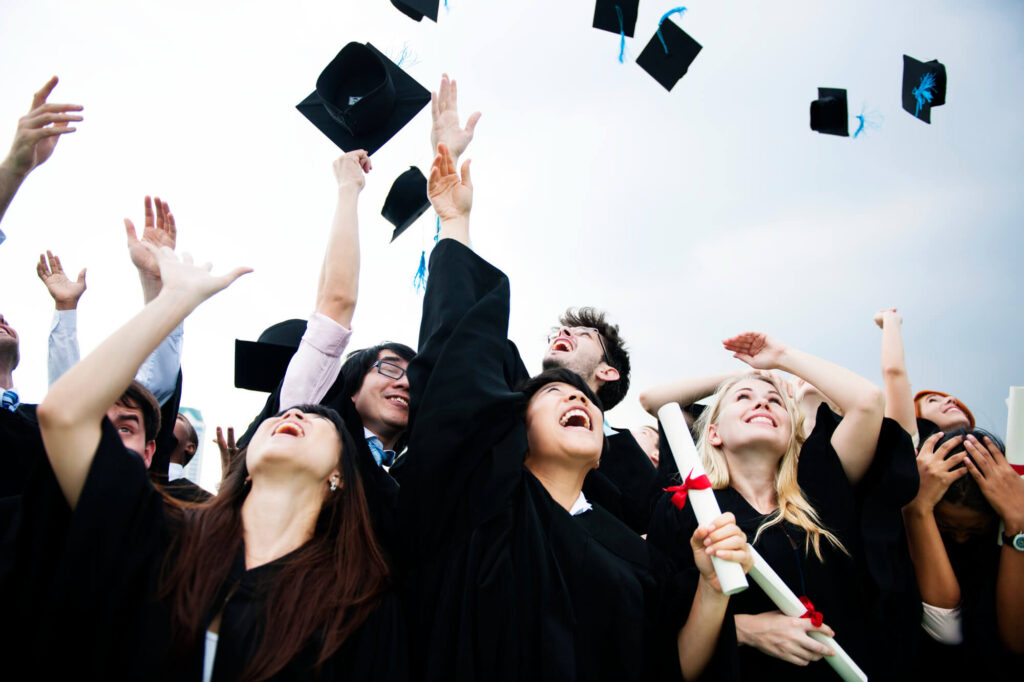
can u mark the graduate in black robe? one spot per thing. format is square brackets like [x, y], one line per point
[510, 576]
[282, 566]
[854, 475]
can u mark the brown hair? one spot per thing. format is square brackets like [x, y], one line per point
[139, 397]
[324, 592]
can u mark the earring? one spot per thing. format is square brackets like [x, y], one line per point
[248, 480]
[334, 485]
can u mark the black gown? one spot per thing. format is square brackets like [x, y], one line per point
[503, 583]
[869, 598]
[85, 603]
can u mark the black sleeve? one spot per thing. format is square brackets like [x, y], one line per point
[165, 440]
[461, 404]
[625, 483]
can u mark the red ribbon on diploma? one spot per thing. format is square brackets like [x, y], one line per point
[679, 491]
[1019, 468]
[815, 616]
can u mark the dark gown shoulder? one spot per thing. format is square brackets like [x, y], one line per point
[625, 483]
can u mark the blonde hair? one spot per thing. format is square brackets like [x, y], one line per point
[793, 506]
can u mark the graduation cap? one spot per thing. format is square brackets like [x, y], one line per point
[260, 365]
[669, 53]
[829, 114]
[362, 99]
[406, 201]
[616, 16]
[924, 87]
[417, 9]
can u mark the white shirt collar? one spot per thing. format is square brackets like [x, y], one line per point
[175, 471]
[580, 505]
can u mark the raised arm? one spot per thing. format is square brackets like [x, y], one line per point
[899, 399]
[338, 287]
[444, 111]
[450, 195]
[71, 414]
[34, 142]
[856, 437]
[63, 342]
[683, 391]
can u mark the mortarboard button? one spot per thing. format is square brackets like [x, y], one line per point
[417, 9]
[406, 201]
[924, 87]
[363, 98]
[829, 114]
[669, 54]
[621, 20]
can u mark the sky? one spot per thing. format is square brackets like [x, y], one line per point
[688, 215]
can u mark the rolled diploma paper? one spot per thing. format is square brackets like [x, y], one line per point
[705, 506]
[1015, 426]
[790, 604]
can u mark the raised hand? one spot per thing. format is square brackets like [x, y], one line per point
[782, 636]
[445, 114]
[350, 169]
[159, 232]
[39, 130]
[937, 471]
[758, 350]
[1000, 484]
[451, 197]
[65, 293]
[887, 316]
[721, 538]
[227, 449]
[181, 277]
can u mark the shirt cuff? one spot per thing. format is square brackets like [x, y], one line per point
[942, 625]
[326, 335]
[68, 319]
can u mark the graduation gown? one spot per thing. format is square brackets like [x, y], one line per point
[868, 597]
[503, 583]
[86, 603]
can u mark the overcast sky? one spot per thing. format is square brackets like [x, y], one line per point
[688, 215]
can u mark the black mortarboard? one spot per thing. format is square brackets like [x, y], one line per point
[362, 99]
[417, 9]
[829, 114]
[607, 18]
[406, 200]
[924, 87]
[668, 54]
[260, 365]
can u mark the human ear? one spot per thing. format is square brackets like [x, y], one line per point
[606, 373]
[713, 437]
[147, 454]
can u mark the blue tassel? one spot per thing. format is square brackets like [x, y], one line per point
[622, 34]
[923, 92]
[419, 281]
[666, 15]
[437, 230]
[867, 120]
[445, 5]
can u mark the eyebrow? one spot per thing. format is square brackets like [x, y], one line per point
[391, 358]
[128, 416]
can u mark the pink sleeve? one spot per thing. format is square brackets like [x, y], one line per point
[316, 364]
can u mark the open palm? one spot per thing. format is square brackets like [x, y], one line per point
[758, 350]
[450, 195]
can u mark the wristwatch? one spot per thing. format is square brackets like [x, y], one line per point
[1015, 541]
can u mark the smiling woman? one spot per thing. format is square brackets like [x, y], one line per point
[280, 575]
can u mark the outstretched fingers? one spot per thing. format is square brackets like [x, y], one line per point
[39, 98]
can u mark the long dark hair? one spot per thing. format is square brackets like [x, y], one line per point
[326, 590]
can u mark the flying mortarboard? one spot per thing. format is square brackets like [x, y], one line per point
[669, 53]
[417, 9]
[260, 365]
[829, 114]
[406, 201]
[362, 99]
[924, 87]
[616, 16]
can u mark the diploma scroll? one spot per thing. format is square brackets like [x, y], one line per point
[790, 604]
[705, 506]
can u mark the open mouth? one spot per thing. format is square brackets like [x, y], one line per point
[563, 345]
[576, 418]
[288, 429]
[401, 401]
[762, 419]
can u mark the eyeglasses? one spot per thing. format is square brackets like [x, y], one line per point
[586, 332]
[389, 369]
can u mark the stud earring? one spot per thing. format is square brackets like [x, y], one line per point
[334, 485]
